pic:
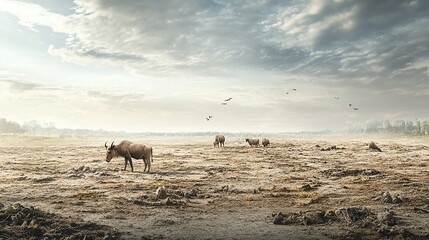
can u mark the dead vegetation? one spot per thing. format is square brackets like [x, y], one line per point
[348, 192]
[349, 172]
[20, 222]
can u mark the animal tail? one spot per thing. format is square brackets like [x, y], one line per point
[151, 154]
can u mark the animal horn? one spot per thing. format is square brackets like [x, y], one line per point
[105, 144]
[112, 144]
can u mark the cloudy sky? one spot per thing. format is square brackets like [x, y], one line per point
[166, 65]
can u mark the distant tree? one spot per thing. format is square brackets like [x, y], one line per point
[387, 126]
[399, 126]
[32, 127]
[425, 127]
[418, 127]
[372, 126]
[49, 126]
[10, 127]
[409, 127]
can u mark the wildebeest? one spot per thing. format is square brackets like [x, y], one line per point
[265, 142]
[253, 142]
[219, 141]
[130, 150]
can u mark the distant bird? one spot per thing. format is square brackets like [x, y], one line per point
[224, 103]
[350, 105]
[355, 109]
[210, 116]
[208, 119]
[287, 92]
[229, 99]
[294, 89]
[337, 98]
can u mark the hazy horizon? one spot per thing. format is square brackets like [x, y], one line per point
[149, 66]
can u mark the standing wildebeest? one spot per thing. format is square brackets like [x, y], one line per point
[130, 150]
[219, 141]
[253, 142]
[265, 142]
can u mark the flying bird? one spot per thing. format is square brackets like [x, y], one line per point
[229, 99]
[224, 103]
[294, 89]
[207, 119]
[287, 92]
[350, 105]
[210, 116]
[337, 98]
[355, 109]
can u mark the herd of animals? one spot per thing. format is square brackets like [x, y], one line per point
[129, 150]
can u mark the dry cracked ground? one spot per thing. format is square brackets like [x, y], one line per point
[63, 188]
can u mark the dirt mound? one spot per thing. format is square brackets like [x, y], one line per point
[164, 192]
[80, 172]
[43, 180]
[386, 197]
[167, 197]
[353, 214]
[384, 223]
[349, 172]
[374, 147]
[334, 147]
[19, 222]
[348, 215]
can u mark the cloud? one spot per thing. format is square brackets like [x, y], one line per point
[158, 37]
[364, 41]
[31, 15]
[325, 24]
[18, 86]
[362, 44]
[361, 50]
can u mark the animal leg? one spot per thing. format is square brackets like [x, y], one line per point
[148, 164]
[131, 164]
[126, 163]
[145, 164]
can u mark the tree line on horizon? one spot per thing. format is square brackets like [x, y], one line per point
[400, 127]
[35, 128]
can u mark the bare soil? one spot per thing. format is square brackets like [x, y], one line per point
[290, 190]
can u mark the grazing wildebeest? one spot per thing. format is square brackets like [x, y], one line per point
[130, 150]
[265, 142]
[253, 142]
[219, 141]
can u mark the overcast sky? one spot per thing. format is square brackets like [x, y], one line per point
[166, 65]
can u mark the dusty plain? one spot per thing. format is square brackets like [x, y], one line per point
[235, 192]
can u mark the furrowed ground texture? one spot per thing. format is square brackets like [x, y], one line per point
[291, 190]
